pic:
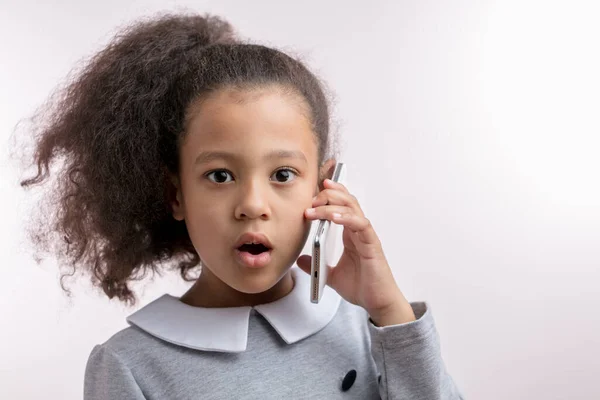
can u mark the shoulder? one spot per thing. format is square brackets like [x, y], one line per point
[127, 346]
[351, 314]
[350, 321]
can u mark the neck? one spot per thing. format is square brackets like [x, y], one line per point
[210, 292]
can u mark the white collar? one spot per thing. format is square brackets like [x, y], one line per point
[294, 317]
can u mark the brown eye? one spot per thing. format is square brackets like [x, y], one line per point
[220, 175]
[283, 175]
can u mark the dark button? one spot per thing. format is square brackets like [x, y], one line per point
[349, 380]
[379, 379]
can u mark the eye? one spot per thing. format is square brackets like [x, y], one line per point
[220, 174]
[282, 175]
[285, 173]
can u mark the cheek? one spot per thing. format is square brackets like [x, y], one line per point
[295, 220]
[204, 224]
[301, 235]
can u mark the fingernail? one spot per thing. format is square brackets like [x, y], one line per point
[310, 211]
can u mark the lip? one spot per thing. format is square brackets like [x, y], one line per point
[253, 261]
[256, 237]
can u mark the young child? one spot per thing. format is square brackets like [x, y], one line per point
[182, 143]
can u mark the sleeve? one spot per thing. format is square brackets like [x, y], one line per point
[409, 360]
[107, 377]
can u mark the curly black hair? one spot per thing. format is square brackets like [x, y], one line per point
[117, 125]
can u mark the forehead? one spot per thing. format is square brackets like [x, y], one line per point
[260, 117]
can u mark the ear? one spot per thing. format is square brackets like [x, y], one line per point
[326, 172]
[175, 198]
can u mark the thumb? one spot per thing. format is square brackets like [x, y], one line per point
[304, 263]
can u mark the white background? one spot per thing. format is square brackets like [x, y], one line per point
[471, 137]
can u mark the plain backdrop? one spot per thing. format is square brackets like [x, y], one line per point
[470, 130]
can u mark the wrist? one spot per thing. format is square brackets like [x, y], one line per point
[398, 312]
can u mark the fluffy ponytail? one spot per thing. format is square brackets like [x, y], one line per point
[117, 125]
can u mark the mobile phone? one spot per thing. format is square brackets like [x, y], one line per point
[325, 239]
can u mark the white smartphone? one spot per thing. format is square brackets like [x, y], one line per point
[324, 239]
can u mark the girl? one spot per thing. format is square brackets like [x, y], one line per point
[183, 143]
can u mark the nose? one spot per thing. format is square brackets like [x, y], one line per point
[253, 200]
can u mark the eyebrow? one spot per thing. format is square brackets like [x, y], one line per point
[207, 156]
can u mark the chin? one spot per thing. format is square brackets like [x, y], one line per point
[261, 280]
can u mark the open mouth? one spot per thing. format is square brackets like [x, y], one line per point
[254, 249]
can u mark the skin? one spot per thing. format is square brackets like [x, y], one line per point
[250, 195]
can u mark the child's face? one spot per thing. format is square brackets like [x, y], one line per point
[247, 193]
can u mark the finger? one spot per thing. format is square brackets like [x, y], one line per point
[362, 227]
[337, 197]
[335, 185]
[326, 212]
[304, 262]
[346, 217]
[333, 196]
